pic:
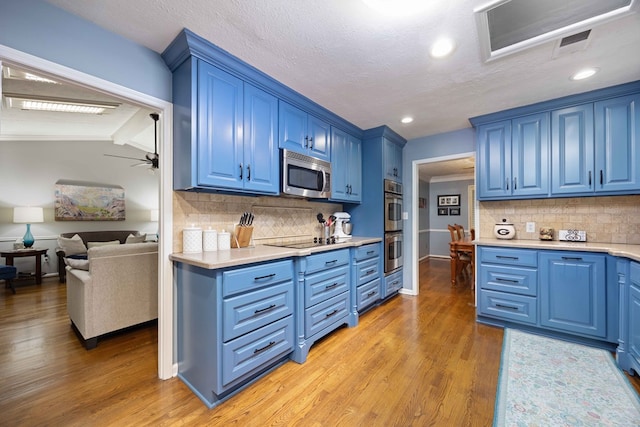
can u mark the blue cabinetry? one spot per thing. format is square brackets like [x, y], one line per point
[573, 292]
[323, 301]
[366, 273]
[232, 325]
[590, 140]
[303, 133]
[628, 352]
[346, 167]
[512, 157]
[392, 160]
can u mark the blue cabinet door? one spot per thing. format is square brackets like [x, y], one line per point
[354, 169]
[633, 321]
[572, 295]
[219, 128]
[292, 128]
[392, 160]
[494, 160]
[572, 151]
[530, 155]
[261, 156]
[339, 161]
[617, 144]
[319, 142]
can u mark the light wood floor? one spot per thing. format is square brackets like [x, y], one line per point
[414, 361]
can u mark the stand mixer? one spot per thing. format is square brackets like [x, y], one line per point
[341, 218]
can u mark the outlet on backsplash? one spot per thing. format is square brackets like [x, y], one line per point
[531, 227]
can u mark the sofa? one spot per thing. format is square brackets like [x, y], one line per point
[90, 236]
[115, 288]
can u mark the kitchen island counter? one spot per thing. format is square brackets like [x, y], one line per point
[242, 256]
[616, 249]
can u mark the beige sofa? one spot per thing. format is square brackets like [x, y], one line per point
[119, 289]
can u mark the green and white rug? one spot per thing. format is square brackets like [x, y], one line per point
[548, 382]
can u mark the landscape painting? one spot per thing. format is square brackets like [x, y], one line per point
[89, 202]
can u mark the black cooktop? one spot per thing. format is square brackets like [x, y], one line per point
[305, 244]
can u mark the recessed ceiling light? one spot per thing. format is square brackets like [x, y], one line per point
[584, 74]
[442, 47]
[406, 120]
[397, 7]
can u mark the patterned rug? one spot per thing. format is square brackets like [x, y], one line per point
[547, 382]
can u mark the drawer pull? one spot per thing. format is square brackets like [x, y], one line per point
[370, 272]
[371, 252]
[500, 279]
[515, 258]
[571, 258]
[272, 306]
[331, 314]
[370, 294]
[507, 307]
[268, 276]
[331, 262]
[331, 286]
[266, 347]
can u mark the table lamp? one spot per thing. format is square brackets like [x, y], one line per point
[27, 215]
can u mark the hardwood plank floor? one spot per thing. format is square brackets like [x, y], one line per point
[414, 361]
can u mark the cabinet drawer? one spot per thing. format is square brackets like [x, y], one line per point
[324, 314]
[367, 251]
[327, 259]
[246, 312]
[367, 271]
[393, 283]
[321, 286]
[249, 278]
[525, 257]
[254, 350]
[519, 308]
[634, 273]
[368, 294]
[515, 280]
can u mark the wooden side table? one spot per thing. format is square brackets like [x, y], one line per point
[20, 253]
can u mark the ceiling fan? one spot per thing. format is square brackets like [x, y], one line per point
[152, 159]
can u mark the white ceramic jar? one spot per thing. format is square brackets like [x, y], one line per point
[504, 230]
[209, 240]
[192, 239]
[224, 240]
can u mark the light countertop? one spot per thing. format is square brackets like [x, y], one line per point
[615, 249]
[240, 256]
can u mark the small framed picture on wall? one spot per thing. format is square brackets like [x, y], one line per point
[443, 211]
[454, 211]
[422, 202]
[449, 200]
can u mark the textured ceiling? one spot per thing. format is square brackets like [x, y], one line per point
[373, 69]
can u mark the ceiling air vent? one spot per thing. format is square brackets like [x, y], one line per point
[571, 44]
[576, 38]
[510, 26]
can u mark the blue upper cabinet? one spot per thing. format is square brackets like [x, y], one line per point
[303, 133]
[580, 145]
[512, 157]
[346, 167]
[392, 160]
[572, 150]
[617, 143]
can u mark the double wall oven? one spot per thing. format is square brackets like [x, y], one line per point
[393, 258]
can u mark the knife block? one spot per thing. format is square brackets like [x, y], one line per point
[241, 236]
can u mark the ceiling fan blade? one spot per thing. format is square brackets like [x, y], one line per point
[124, 157]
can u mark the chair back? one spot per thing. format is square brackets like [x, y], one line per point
[454, 233]
[460, 230]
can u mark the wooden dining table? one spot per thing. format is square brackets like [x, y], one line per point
[464, 245]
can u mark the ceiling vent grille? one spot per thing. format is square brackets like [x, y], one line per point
[510, 26]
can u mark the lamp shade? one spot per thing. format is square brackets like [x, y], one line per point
[27, 215]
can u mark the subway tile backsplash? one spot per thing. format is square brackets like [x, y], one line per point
[609, 219]
[276, 218]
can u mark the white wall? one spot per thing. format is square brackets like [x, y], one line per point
[29, 171]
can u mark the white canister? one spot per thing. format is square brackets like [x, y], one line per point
[224, 240]
[209, 240]
[192, 239]
[504, 230]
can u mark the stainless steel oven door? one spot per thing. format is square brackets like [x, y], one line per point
[393, 258]
[392, 212]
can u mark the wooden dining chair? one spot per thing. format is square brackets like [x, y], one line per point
[463, 257]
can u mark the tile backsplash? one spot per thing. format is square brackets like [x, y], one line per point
[609, 219]
[276, 218]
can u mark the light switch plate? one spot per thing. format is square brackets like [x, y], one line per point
[531, 227]
[572, 235]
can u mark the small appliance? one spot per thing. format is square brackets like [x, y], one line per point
[341, 218]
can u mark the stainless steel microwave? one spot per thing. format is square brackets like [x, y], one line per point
[305, 176]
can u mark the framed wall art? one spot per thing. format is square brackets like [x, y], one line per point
[454, 211]
[422, 202]
[449, 200]
[443, 211]
[88, 202]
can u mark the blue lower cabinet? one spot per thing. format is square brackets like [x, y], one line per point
[366, 276]
[628, 351]
[393, 283]
[325, 314]
[233, 325]
[519, 308]
[368, 294]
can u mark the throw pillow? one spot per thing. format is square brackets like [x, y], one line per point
[96, 244]
[73, 245]
[80, 264]
[136, 239]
